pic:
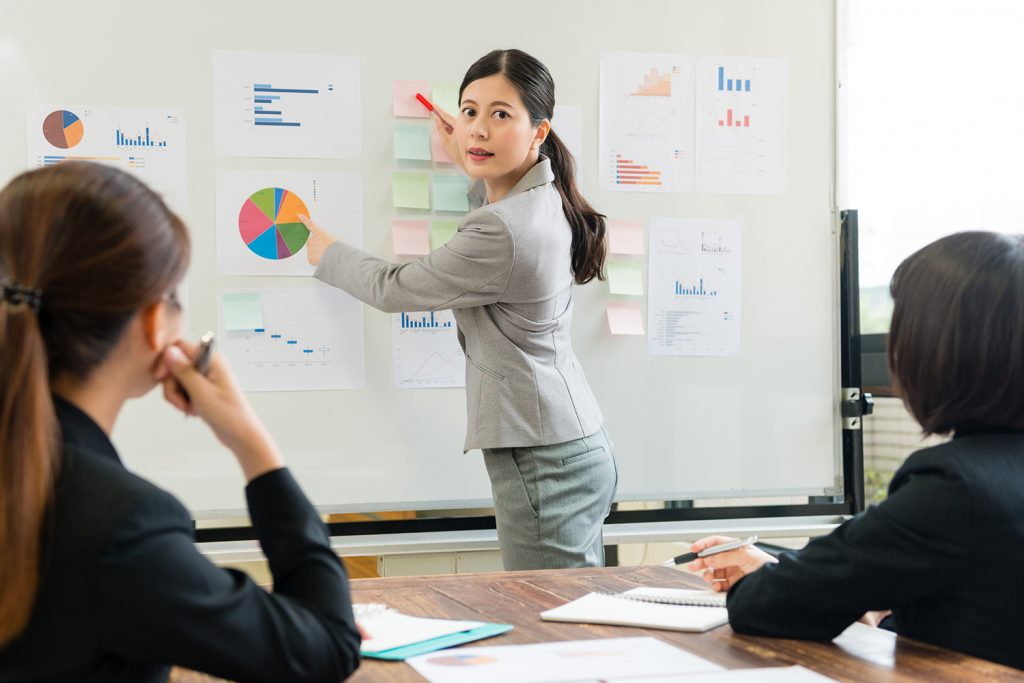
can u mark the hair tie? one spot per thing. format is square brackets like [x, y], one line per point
[16, 294]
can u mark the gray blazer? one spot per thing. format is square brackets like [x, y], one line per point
[506, 275]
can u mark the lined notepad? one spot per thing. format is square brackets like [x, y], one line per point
[663, 608]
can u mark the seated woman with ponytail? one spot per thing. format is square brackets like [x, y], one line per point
[99, 577]
[508, 276]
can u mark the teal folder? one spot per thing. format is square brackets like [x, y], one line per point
[424, 646]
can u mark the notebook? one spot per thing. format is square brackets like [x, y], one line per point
[663, 608]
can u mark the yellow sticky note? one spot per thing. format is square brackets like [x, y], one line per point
[625, 237]
[446, 96]
[625, 318]
[242, 310]
[441, 232]
[625, 278]
[412, 142]
[450, 193]
[410, 190]
[410, 237]
[404, 102]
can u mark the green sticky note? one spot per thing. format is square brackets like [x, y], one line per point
[410, 190]
[450, 193]
[441, 232]
[412, 142]
[625, 278]
[446, 96]
[242, 310]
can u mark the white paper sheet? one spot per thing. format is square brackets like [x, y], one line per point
[311, 339]
[778, 674]
[148, 142]
[426, 350]
[646, 122]
[742, 123]
[286, 105]
[694, 287]
[244, 247]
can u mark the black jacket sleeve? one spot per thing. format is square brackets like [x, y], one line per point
[910, 546]
[162, 601]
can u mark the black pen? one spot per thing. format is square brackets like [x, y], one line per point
[202, 359]
[713, 550]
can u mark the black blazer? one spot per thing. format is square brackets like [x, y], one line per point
[944, 552]
[124, 593]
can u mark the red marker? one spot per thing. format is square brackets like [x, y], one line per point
[426, 103]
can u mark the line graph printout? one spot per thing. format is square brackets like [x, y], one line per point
[742, 124]
[277, 105]
[426, 350]
[646, 122]
[292, 338]
[694, 287]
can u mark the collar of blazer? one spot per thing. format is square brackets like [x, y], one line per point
[540, 174]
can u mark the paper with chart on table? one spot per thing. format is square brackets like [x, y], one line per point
[148, 142]
[426, 350]
[258, 226]
[775, 674]
[286, 105]
[574, 660]
[742, 125]
[694, 287]
[646, 122]
[292, 338]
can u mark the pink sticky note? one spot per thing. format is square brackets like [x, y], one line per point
[410, 237]
[405, 102]
[437, 150]
[625, 318]
[625, 237]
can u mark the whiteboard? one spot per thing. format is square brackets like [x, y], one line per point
[764, 422]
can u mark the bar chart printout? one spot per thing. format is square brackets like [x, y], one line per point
[426, 351]
[694, 287]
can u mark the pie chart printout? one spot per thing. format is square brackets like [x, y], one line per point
[63, 129]
[269, 223]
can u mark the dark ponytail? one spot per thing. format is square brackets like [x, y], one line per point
[536, 88]
[100, 246]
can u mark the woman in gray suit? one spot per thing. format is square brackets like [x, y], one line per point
[508, 275]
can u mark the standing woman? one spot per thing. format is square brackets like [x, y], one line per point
[508, 276]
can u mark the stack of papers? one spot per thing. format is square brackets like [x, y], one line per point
[393, 635]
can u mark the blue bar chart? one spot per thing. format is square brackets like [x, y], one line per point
[424, 322]
[140, 139]
[732, 84]
[426, 351]
[267, 104]
[693, 289]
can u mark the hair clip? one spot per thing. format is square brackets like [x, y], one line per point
[17, 294]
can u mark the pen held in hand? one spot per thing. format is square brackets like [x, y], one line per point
[201, 363]
[713, 550]
[426, 103]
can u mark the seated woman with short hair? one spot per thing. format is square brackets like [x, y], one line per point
[99, 577]
[944, 552]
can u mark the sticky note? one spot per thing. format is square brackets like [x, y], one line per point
[412, 142]
[625, 318]
[437, 150]
[446, 96]
[410, 237]
[450, 193]
[404, 102]
[242, 310]
[441, 232]
[410, 190]
[625, 278]
[625, 237]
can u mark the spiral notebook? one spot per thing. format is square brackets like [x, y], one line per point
[673, 609]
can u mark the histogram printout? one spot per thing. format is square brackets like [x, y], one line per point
[646, 122]
[742, 125]
[426, 350]
[292, 338]
[694, 287]
[276, 105]
[148, 142]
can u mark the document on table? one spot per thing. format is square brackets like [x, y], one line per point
[778, 674]
[599, 608]
[390, 629]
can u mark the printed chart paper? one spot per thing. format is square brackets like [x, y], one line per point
[694, 287]
[426, 350]
[278, 105]
[148, 142]
[311, 338]
[742, 124]
[258, 227]
[646, 122]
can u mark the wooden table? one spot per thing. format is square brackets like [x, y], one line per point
[861, 653]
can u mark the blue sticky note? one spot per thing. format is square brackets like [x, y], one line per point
[412, 142]
[450, 193]
[242, 310]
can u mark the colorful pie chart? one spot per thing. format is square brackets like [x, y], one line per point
[463, 660]
[63, 129]
[269, 223]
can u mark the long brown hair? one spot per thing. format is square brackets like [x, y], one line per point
[100, 246]
[536, 88]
